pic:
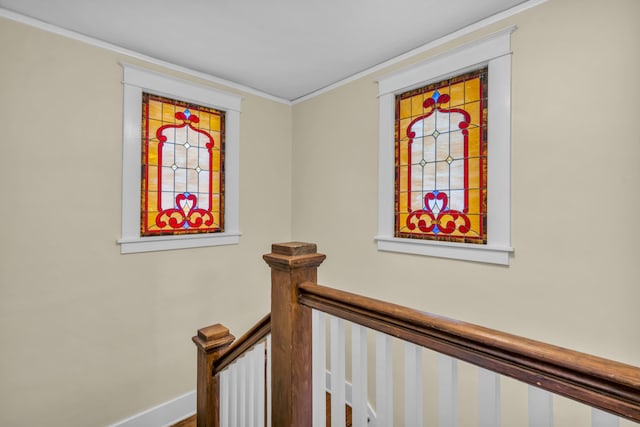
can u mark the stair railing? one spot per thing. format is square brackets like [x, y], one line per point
[297, 358]
[233, 376]
[609, 387]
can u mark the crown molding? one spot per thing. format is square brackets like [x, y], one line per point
[5, 13]
[426, 47]
[50, 28]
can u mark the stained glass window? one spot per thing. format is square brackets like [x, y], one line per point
[441, 160]
[182, 167]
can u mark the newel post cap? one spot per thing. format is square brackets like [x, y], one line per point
[294, 255]
[213, 337]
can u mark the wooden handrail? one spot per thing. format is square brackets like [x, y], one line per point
[605, 384]
[253, 336]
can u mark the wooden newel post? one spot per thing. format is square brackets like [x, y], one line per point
[291, 264]
[211, 342]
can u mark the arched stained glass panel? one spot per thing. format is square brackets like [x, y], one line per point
[182, 167]
[441, 160]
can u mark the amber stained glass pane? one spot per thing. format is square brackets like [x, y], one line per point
[182, 167]
[441, 160]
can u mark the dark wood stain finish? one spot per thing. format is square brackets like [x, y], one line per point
[291, 264]
[211, 342]
[611, 386]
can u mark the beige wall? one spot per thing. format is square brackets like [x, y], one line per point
[574, 279]
[88, 336]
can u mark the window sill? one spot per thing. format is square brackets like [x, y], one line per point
[492, 254]
[166, 243]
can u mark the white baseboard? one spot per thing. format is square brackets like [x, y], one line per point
[169, 413]
[163, 415]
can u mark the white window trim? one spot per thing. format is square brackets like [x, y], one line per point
[495, 52]
[136, 80]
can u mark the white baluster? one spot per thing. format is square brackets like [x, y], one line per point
[358, 375]
[603, 419]
[224, 398]
[488, 398]
[250, 391]
[384, 381]
[241, 367]
[257, 384]
[338, 414]
[233, 395]
[412, 385]
[259, 361]
[540, 408]
[319, 367]
[447, 391]
[268, 379]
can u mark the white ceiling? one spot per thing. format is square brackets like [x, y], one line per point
[285, 48]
